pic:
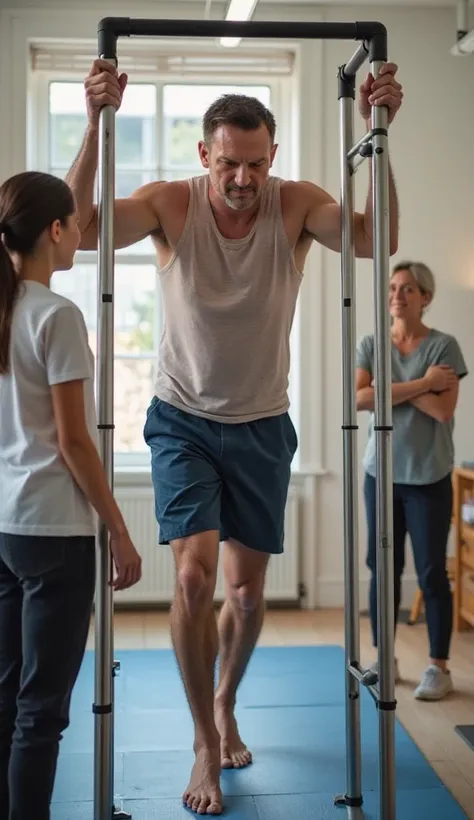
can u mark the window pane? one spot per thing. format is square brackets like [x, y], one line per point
[182, 173]
[135, 124]
[66, 136]
[126, 182]
[79, 285]
[134, 381]
[181, 137]
[135, 142]
[143, 248]
[182, 132]
[136, 308]
[136, 333]
[58, 172]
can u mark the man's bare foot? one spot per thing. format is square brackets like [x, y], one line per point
[234, 753]
[203, 794]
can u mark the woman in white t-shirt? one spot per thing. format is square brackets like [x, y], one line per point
[52, 484]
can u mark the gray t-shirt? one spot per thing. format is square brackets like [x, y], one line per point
[423, 450]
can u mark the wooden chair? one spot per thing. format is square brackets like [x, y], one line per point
[418, 597]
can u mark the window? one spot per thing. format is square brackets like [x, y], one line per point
[157, 130]
[181, 132]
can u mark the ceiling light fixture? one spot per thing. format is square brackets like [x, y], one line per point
[239, 10]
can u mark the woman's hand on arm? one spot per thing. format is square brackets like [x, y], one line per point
[435, 394]
[401, 391]
[440, 403]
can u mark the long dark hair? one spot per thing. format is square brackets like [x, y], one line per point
[29, 203]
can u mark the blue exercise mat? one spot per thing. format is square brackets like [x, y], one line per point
[291, 713]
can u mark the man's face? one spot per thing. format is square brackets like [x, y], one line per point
[239, 163]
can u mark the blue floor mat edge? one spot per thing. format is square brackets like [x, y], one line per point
[291, 712]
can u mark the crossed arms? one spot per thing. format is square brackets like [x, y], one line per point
[440, 406]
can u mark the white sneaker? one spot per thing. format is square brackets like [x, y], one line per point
[435, 684]
[375, 668]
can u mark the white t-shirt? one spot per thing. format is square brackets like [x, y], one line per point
[49, 345]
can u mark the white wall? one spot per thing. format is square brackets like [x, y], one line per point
[431, 155]
[432, 160]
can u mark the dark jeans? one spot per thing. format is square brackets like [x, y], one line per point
[46, 595]
[424, 512]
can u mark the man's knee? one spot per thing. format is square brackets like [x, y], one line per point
[246, 597]
[196, 568]
[245, 572]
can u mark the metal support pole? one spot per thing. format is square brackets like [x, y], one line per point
[384, 477]
[374, 145]
[353, 797]
[105, 668]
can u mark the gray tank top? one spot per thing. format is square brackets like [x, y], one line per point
[228, 308]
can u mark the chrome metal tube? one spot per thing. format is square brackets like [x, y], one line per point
[356, 61]
[355, 149]
[104, 689]
[384, 476]
[350, 494]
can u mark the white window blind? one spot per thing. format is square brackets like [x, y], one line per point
[173, 59]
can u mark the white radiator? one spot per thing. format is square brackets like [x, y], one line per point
[157, 582]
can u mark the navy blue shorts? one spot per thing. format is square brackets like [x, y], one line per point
[233, 478]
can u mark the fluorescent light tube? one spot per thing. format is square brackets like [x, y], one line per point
[240, 10]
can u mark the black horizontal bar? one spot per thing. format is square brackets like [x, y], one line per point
[110, 28]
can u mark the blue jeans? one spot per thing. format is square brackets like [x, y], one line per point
[46, 595]
[424, 512]
[233, 478]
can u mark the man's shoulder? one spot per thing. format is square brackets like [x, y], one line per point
[164, 199]
[162, 189]
[307, 195]
[299, 187]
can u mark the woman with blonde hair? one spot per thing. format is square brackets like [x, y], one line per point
[427, 365]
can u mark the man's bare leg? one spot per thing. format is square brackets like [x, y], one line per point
[240, 623]
[194, 635]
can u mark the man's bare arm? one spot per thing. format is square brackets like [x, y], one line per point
[324, 217]
[134, 218]
[81, 177]
[324, 220]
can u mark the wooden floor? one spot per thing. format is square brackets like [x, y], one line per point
[431, 725]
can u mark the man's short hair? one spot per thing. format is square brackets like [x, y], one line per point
[244, 112]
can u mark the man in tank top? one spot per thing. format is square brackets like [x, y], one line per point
[231, 248]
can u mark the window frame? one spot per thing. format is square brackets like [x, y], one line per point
[281, 90]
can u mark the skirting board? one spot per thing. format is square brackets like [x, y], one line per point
[331, 593]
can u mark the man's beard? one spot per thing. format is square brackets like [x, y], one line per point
[240, 204]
